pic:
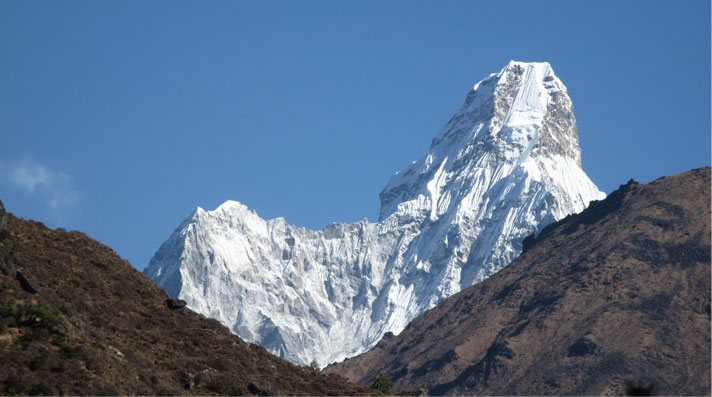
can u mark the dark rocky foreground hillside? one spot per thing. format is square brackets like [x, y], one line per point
[619, 293]
[79, 320]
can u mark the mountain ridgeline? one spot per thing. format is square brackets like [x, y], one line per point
[617, 294]
[506, 164]
[76, 319]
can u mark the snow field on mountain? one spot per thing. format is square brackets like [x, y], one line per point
[505, 165]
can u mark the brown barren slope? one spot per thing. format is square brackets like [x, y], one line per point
[99, 327]
[620, 292]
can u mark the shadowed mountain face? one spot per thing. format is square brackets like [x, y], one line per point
[77, 319]
[619, 292]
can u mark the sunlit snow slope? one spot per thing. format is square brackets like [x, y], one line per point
[506, 164]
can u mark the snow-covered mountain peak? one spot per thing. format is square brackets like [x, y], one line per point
[505, 165]
[520, 113]
[232, 207]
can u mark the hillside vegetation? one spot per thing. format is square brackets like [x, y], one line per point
[79, 320]
[618, 294]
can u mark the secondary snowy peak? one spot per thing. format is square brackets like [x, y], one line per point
[505, 165]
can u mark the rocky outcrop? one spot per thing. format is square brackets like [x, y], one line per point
[3, 217]
[187, 380]
[7, 265]
[257, 391]
[25, 283]
[175, 304]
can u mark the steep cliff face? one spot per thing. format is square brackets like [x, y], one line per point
[505, 165]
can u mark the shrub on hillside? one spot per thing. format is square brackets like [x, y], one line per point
[382, 384]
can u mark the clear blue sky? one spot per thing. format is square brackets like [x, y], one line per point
[118, 118]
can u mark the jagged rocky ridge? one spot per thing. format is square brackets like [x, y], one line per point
[505, 165]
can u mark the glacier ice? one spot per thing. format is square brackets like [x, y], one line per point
[505, 165]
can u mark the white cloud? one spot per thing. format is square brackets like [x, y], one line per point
[35, 178]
